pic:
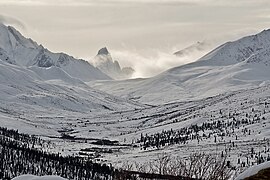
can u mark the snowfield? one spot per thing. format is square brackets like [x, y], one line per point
[253, 170]
[31, 177]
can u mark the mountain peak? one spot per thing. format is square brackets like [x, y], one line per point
[194, 48]
[103, 51]
[104, 61]
[240, 50]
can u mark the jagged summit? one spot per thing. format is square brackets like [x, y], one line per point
[112, 68]
[103, 51]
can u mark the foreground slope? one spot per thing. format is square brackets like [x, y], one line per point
[261, 171]
[234, 65]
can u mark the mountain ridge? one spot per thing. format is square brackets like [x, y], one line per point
[231, 66]
[16, 49]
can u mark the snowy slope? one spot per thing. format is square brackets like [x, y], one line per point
[32, 92]
[16, 49]
[242, 111]
[103, 60]
[32, 177]
[234, 65]
[35, 83]
[253, 170]
[54, 73]
[194, 48]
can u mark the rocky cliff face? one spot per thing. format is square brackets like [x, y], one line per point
[112, 68]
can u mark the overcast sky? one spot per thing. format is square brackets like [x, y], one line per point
[135, 31]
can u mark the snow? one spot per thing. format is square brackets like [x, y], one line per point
[32, 97]
[32, 177]
[194, 48]
[253, 170]
[16, 49]
[232, 66]
[53, 73]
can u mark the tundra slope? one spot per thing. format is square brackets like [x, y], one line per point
[232, 66]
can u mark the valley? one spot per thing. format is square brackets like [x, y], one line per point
[217, 105]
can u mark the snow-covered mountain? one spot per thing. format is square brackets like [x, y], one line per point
[104, 61]
[16, 49]
[37, 87]
[194, 48]
[36, 82]
[234, 65]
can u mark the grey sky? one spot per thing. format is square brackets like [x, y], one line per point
[145, 29]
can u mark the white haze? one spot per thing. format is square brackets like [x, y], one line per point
[152, 62]
[147, 66]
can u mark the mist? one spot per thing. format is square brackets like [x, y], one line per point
[151, 65]
[151, 62]
[7, 20]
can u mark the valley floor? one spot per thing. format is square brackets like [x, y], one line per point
[235, 124]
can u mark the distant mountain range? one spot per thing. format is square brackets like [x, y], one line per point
[234, 65]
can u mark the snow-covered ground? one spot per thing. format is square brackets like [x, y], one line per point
[253, 170]
[32, 177]
[127, 127]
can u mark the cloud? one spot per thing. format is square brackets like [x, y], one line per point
[91, 2]
[148, 66]
[12, 21]
[45, 2]
[128, 2]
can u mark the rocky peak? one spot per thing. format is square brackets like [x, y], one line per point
[103, 51]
